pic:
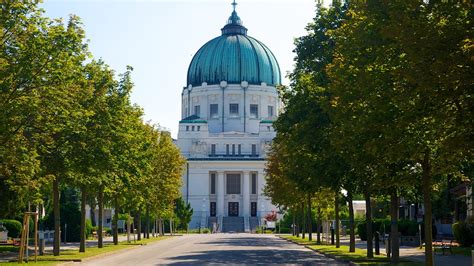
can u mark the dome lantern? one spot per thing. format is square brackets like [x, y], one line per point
[234, 24]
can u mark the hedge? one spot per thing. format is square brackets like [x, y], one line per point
[405, 227]
[464, 233]
[377, 226]
[13, 227]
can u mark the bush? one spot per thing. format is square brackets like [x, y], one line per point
[464, 233]
[378, 226]
[13, 227]
[285, 230]
[408, 228]
[89, 228]
[107, 230]
[405, 228]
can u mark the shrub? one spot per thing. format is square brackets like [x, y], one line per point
[464, 233]
[285, 230]
[206, 231]
[107, 230]
[378, 226]
[408, 228]
[89, 227]
[13, 227]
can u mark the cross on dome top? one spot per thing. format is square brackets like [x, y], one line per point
[234, 4]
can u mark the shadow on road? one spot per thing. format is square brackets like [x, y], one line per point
[251, 257]
[246, 242]
[242, 254]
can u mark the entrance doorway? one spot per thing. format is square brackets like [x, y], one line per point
[253, 209]
[233, 209]
[213, 209]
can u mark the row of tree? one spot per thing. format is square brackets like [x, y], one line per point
[66, 121]
[380, 103]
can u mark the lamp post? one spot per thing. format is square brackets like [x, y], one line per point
[203, 213]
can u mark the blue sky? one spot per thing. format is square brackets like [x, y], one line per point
[158, 38]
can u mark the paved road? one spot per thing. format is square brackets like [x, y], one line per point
[217, 249]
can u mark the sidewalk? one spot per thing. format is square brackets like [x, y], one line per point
[417, 254]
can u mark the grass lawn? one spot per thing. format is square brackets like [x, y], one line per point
[75, 255]
[342, 253]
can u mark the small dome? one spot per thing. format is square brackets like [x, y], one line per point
[234, 57]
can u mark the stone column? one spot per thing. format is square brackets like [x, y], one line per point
[246, 202]
[220, 194]
[246, 195]
[261, 198]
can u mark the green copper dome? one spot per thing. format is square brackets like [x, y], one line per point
[234, 57]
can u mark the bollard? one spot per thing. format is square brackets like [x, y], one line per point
[377, 243]
[42, 244]
[332, 236]
[388, 247]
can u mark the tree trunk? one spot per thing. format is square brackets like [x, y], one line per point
[57, 217]
[129, 227]
[147, 225]
[298, 221]
[92, 212]
[101, 218]
[160, 227]
[303, 221]
[426, 184]
[82, 244]
[115, 221]
[394, 227]
[351, 223]
[139, 224]
[368, 219]
[318, 225]
[171, 226]
[309, 220]
[336, 213]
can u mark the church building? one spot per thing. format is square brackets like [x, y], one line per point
[228, 106]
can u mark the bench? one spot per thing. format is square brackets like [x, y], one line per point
[96, 235]
[445, 244]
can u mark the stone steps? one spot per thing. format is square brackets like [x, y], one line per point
[233, 224]
[253, 224]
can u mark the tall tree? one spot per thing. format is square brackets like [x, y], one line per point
[409, 96]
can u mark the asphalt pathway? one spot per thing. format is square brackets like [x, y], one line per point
[249, 249]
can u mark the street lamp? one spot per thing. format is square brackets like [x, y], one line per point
[203, 213]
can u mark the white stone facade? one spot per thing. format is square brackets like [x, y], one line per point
[224, 133]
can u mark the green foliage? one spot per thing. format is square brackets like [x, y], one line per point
[13, 227]
[66, 118]
[405, 227]
[464, 233]
[184, 212]
[89, 228]
[70, 216]
[408, 227]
